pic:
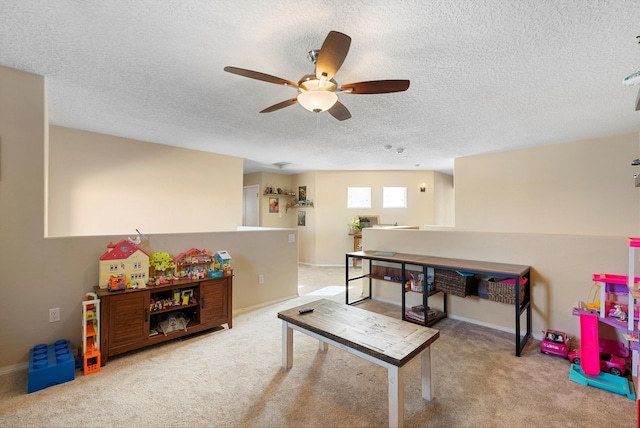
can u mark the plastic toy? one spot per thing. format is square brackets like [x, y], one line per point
[50, 365]
[555, 342]
[123, 258]
[159, 263]
[609, 363]
[612, 354]
[116, 282]
[593, 302]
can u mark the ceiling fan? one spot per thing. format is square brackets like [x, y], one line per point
[319, 92]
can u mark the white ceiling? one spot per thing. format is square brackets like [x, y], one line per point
[486, 75]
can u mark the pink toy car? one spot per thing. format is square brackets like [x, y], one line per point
[555, 343]
[613, 356]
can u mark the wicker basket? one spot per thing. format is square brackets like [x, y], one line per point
[453, 282]
[505, 292]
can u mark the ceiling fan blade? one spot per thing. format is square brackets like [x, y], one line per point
[339, 111]
[259, 76]
[278, 106]
[332, 54]
[377, 87]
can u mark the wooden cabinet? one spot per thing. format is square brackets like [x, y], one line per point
[126, 318]
[213, 302]
[130, 317]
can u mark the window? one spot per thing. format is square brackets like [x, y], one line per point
[394, 197]
[358, 197]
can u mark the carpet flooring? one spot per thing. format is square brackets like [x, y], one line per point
[234, 378]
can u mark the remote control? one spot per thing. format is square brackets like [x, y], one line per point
[304, 311]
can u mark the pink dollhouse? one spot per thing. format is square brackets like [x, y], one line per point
[193, 263]
[124, 258]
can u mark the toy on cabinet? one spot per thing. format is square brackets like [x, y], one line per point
[124, 260]
[223, 262]
[91, 334]
[160, 265]
[116, 282]
[193, 264]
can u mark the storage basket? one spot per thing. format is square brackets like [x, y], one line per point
[504, 290]
[453, 282]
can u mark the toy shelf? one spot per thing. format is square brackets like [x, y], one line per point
[174, 308]
[612, 321]
[130, 323]
[91, 334]
[619, 286]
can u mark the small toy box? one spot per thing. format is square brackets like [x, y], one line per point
[50, 365]
[224, 259]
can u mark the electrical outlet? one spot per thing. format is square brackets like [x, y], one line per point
[260, 279]
[54, 314]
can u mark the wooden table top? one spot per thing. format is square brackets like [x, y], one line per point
[506, 269]
[382, 337]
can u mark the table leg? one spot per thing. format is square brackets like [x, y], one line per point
[323, 346]
[427, 385]
[287, 346]
[396, 396]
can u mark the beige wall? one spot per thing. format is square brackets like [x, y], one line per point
[324, 238]
[332, 214]
[273, 180]
[444, 200]
[561, 271]
[582, 187]
[565, 210]
[39, 273]
[100, 184]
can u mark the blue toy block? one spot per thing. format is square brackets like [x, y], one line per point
[50, 365]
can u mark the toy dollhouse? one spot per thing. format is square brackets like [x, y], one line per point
[124, 259]
[194, 264]
[223, 261]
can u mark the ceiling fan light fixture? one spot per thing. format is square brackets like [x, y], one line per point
[317, 94]
[317, 100]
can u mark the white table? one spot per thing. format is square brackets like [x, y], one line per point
[386, 341]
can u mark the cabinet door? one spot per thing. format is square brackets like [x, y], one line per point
[214, 301]
[128, 318]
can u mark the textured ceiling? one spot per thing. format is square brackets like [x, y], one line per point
[486, 76]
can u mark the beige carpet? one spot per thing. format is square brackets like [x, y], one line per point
[233, 378]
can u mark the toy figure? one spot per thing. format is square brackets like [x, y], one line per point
[618, 312]
[623, 316]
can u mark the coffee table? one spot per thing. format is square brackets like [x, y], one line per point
[386, 341]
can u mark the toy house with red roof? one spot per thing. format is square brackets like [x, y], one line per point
[124, 258]
[193, 263]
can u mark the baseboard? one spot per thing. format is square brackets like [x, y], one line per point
[261, 305]
[317, 265]
[14, 368]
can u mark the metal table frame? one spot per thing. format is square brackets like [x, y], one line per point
[502, 270]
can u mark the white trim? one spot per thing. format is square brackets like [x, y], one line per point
[239, 311]
[14, 368]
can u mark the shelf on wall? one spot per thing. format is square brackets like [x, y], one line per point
[279, 195]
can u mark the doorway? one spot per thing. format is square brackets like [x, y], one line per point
[251, 206]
